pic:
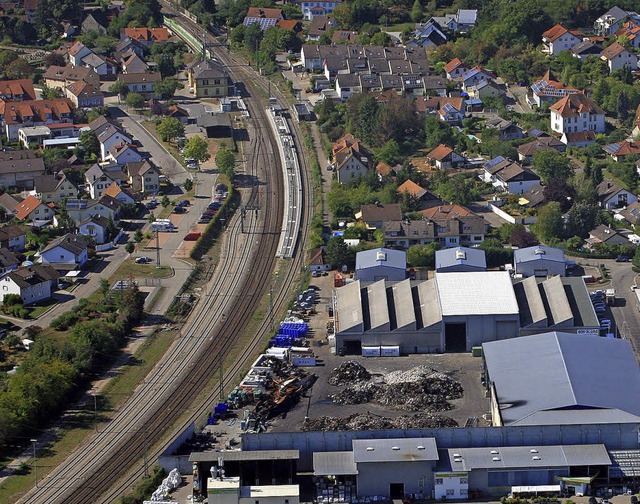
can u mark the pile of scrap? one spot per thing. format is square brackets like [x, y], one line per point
[417, 389]
[373, 422]
[349, 372]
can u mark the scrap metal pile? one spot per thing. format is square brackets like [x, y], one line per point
[417, 389]
[374, 422]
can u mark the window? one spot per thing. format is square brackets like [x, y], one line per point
[206, 92]
[463, 492]
[451, 491]
[4, 287]
[464, 481]
[439, 481]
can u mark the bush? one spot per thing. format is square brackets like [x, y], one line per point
[64, 321]
[130, 247]
[12, 300]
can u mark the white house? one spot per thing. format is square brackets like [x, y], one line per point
[455, 69]
[143, 177]
[612, 196]
[69, 249]
[558, 39]
[77, 52]
[122, 154]
[8, 261]
[616, 57]
[611, 21]
[506, 175]
[33, 284]
[95, 227]
[576, 112]
[98, 180]
[318, 8]
[108, 135]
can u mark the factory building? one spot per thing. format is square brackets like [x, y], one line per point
[381, 264]
[454, 312]
[562, 379]
[539, 261]
[460, 259]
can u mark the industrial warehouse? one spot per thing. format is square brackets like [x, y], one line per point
[456, 311]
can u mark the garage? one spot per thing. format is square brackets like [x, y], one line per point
[455, 337]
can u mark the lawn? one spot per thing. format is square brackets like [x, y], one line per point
[130, 269]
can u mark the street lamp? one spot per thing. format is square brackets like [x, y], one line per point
[35, 462]
[95, 407]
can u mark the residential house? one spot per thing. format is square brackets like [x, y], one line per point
[630, 213]
[146, 36]
[558, 39]
[17, 90]
[19, 168]
[484, 89]
[606, 234]
[132, 63]
[13, 238]
[455, 69]
[68, 30]
[120, 194]
[54, 188]
[476, 75]
[351, 159]
[611, 195]
[289, 24]
[122, 154]
[412, 189]
[526, 151]
[143, 177]
[466, 19]
[263, 17]
[78, 51]
[578, 139]
[636, 125]
[95, 228]
[505, 175]
[621, 149]
[631, 33]
[311, 10]
[429, 34]
[33, 284]
[81, 209]
[208, 78]
[434, 85]
[67, 250]
[347, 85]
[617, 56]
[456, 225]
[84, 95]
[143, 83]
[8, 204]
[507, 130]
[548, 90]
[320, 25]
[406, 233]
[611, 21]
[376, 214]
[103, 66]
[448, 22]
[33, 137]
[127, 46]
[108, 135]
[60, 77]
[34, 210]
[98, 180]
[532, 198]
[444, 157]
[95, 21]
[344, 36]
[575, 113]
[384, 170]
[179, 113]
[16, 115]
[8, 261]
[585, 49]
[313, 56]
[318, 260]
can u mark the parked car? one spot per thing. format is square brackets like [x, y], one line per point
[152, 204]
[179, 210]
[143, 260]
[184, 203]
[221, 188]
[623, 258]
[192, 236]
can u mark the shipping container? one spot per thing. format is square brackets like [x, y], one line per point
[390, 351]
[371, 351]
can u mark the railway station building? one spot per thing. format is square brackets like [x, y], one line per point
[456, 311]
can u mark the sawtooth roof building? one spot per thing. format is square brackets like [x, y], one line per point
[457, 311]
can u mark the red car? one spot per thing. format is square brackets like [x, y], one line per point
[192, 236]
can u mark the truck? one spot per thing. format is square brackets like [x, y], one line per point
[163, 225]
[610, 296]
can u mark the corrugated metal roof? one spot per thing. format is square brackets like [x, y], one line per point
[381, 257]
[558, 303]
[334, 463]
[476, 293]
[403, 305]
[394, 450]
[349, 308]
[624, 463]
[213, 456]
[538, 252]
[461, 256]
[566, 372]
[534, 300]
[429, 306]
[378, 306]
[513, 457]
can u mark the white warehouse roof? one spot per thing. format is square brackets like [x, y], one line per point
[476, 293]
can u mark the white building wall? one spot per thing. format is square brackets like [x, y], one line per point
[451, 486]
[374, 479]
[29, 295]
[529, 268]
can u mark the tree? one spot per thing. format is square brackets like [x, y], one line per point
[416, 11]
[497, 254]
[19, 69]
[169, 128]
[197, 148]
[135, 100]
[50, 93]
[636, 260]
[622, 106]
[581, 219]
[165, 202]
[549, 226]
[423, 255]
[596, 174]
[130, 247]
[89, 144]
[549, 163]
[558, 190]
[226, 161]
[166, 88]
[188, 184]
[584, 190]
[338, 253]
[120, 88]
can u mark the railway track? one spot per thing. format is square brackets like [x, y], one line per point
[105, 466]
